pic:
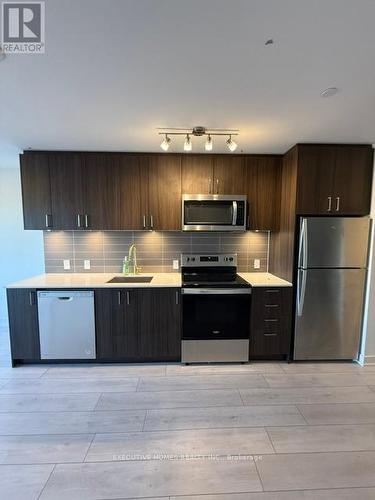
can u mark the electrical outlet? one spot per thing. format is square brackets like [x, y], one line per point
[86, 264]
[66, 263]
[176, 264]
[256, 263]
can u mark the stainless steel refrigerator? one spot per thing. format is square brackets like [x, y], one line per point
[331, 275]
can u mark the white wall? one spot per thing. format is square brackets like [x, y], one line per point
[21, 252]
[370, 337]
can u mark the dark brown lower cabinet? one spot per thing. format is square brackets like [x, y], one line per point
[138, 324]
[116, 324]
[159, 326]
[271, 323]
[23, 324]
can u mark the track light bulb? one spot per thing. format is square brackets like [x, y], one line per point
[232, 146]
[187, 143]
[166, 143]
[208, 145]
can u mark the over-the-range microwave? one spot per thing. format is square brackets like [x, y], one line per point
[214, 212]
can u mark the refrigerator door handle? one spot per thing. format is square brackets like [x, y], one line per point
[302, 250]
[301, 290]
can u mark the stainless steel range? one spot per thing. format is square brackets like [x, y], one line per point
[216, 309]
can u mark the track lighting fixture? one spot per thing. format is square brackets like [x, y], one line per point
[232, 146]
[187, 143]
[208, 145]
[166, 143]
[197, 132]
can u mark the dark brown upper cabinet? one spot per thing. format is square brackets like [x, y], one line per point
[263, 191]
[133, 185]
[36, 191]
[334, 179]
[102, 196]
[164, 192]
[67, 191]
[197, 174]
[229, 176]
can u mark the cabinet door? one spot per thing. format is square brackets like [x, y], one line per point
[353, 180]
[164, 192]
[36, 191]
[133, 191]
[23, 324]
[197, 174]
[316, 169]
[101, 180]
[116, 324]
[67, 191]
[229, 175]
[159, 316]
[271, 319]
[263, 192]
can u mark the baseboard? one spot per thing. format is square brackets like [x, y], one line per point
[370, 360]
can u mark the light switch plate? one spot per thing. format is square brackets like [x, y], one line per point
[256, 263]
[66, 263]
[176, 264]
[86, 265]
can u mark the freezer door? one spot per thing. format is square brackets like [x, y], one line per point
[329, 310]
[333, 242]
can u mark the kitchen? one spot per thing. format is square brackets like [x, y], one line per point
[188, 302]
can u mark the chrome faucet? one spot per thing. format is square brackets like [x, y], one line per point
[133, 268]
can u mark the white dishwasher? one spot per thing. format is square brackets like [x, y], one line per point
[66, 324]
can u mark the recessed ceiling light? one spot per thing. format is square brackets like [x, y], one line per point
[330, 92]
[269, 41]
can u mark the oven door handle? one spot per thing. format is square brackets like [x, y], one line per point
[216, 291]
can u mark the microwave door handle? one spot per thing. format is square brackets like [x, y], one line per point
[234, 219]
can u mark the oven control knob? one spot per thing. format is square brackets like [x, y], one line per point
[231, 258]
[187, 259]
[193, 259]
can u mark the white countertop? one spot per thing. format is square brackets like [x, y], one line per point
[95, 280]
[99, 280]
[264, 279]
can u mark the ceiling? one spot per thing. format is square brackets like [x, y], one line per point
[115, 70]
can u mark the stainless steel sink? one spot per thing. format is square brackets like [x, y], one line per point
[131, 279]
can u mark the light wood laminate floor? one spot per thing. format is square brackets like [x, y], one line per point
[262, 431]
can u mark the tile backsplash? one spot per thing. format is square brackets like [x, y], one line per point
[156, 250]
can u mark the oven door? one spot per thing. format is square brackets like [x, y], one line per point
[213, 213]
[216, 314]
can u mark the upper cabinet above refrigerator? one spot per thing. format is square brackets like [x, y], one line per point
[334, 179]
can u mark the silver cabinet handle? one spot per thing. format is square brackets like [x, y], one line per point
[337, 203]
[128, 298]
[119, 298]
[177, 299]
[144, 222]
[151, 222]
[31, 298]
[329, 203]
[86, 220]
[48, 218]
[78, 221]
[209, 186]
[217, 186]
[270, 334]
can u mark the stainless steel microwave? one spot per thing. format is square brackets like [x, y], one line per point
[214, 212]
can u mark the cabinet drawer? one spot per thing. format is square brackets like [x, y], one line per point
[271, 296]
[271, 311]
[271, 326]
